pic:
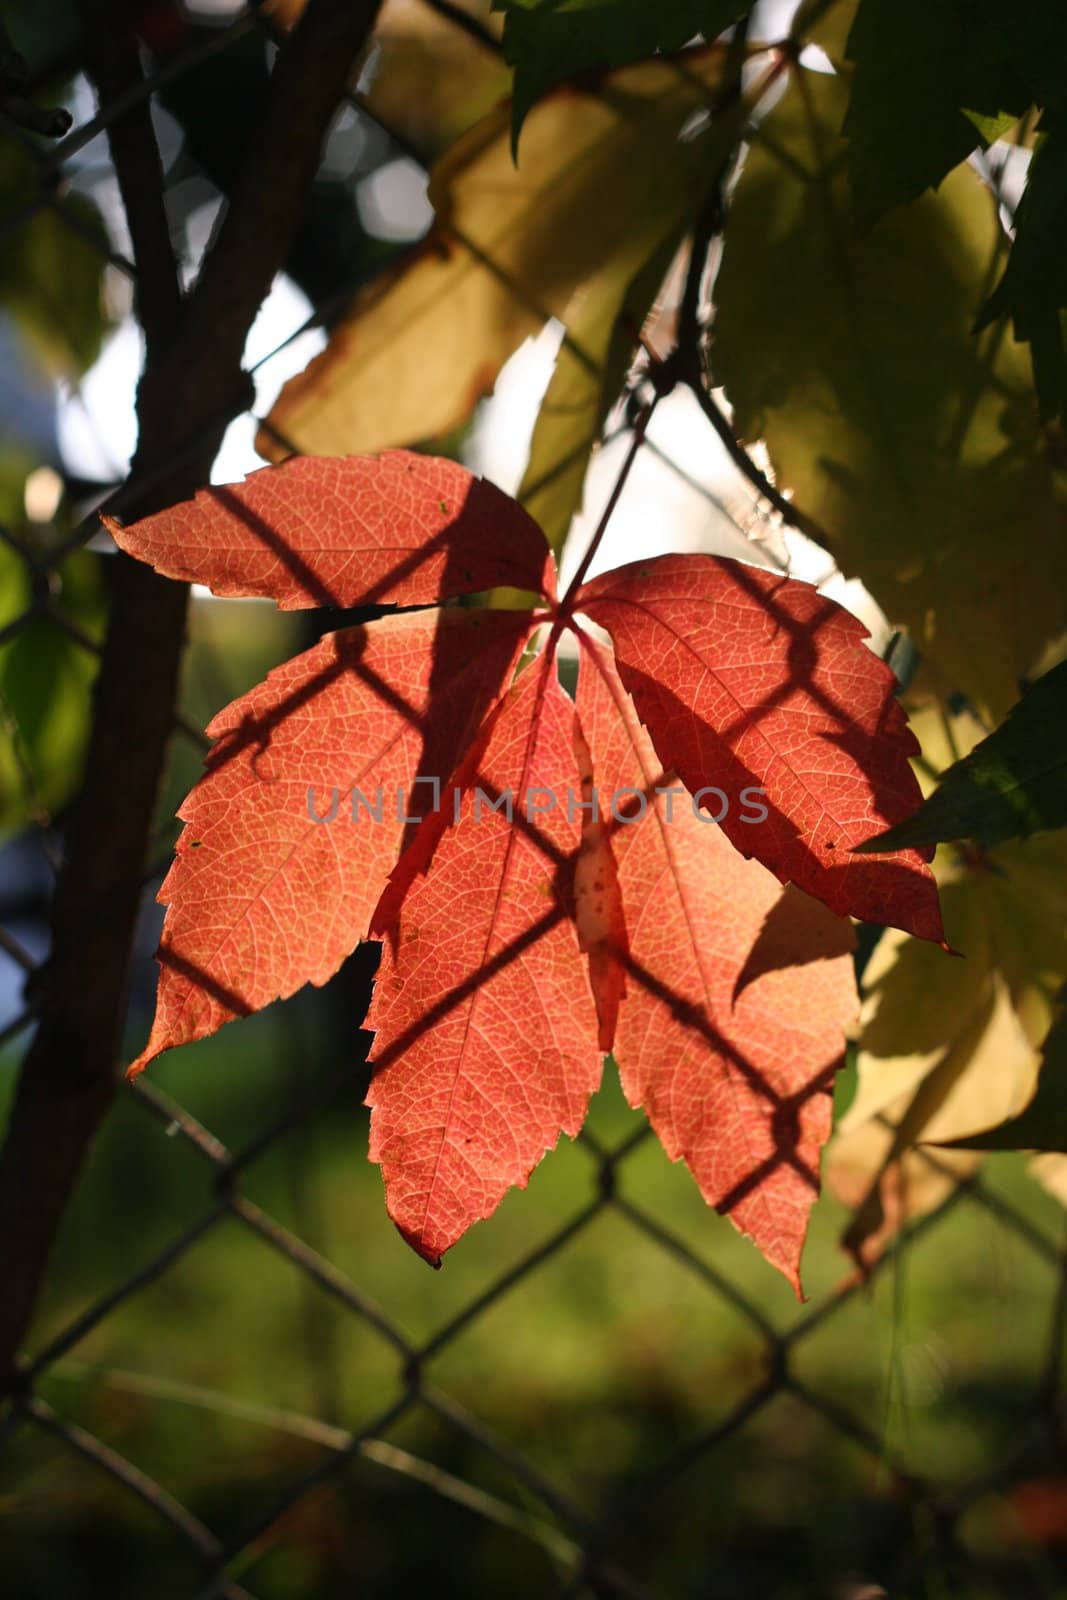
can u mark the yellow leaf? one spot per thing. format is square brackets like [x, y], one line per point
[429, 80]
[915, 444]
[1007, 915]
[886, 1194]
[986, 1073]
[945, 734]
[949, 1048]
[601, 175]
[607, 313]
[1050, 1170]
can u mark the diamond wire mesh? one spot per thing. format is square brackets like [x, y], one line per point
[585, 1545]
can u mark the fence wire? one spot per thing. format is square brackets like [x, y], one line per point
[583, 1539]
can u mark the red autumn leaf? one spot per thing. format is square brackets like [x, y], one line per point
[262, 897]
[738, 991]
[353, 530]
[746, 679]
[598, 908]
[518, 949]
[485, 1035]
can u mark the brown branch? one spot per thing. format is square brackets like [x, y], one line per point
[192, 377]
[115, 65]
[309, 81]
[712, 216]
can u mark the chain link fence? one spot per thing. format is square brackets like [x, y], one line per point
[694, 1501]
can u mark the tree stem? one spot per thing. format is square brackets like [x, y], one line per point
[193, 382]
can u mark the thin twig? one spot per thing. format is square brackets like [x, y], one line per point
[139, 92]
[640, 429]
[755, 474]
[688, 363]
[709, 223]
[15, 105]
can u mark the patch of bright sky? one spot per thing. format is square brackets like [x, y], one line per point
[393, 202]
[96, 423]
[684, 493]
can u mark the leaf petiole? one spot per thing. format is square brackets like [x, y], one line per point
[566, 605]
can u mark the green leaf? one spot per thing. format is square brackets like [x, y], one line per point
[1042, 1125]
[846, 1082]
[46, 676]
[1035, 36]
[550, 41]
[927, 80]
[51, 268]
[1011, 785]
[1033, 290]
[990, 127]
[921, 73]
[913, 444]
